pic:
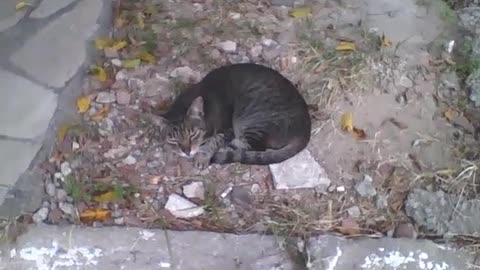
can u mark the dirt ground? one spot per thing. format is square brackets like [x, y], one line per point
[111, 167]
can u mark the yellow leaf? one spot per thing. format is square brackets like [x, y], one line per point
[101, 44]
[386, 42]
[62, 132]
[450, 114]
[22, 5]
[132, 63]
[140, 22]
[102, 113]
[119, 45]
[106, 197]
[346, 122]
[345, 46]
[83, 104]
[99, 73]
[145, 56]
[300, 12]
[95, 215]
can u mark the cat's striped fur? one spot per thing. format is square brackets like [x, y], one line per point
[245, 113]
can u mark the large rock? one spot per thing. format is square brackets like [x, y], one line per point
[443, 213]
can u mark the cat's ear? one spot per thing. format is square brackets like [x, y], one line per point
[196, 108]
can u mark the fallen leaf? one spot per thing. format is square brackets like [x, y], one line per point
[101, 44]
[83, 104]
[450, 114]
[345, 46]
[118, 45]
[99, 73]
[22, 5]
[131, 63]
[106, 197]
[62, 132]
[140, 21]
[95, 215]
[359, 133]
[146, 57]
[300, 12]
[346, 122]
[386, 42]
[102, 113]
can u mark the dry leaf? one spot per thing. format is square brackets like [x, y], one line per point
[349, 227]
[346, 122]
[345, 46]
[62, 132]
[22, 5]
[386, 42]
[106, 197]
[140, 22]
[99, 73]
[131, 63]
[83, 104]
[359, 133]
[102, 113]
[300, 12]
[101, 44]
[450, 114]
[146, 57]
[118, 45]
[95, 215]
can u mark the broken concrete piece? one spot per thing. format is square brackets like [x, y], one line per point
[300, 171]
[182, 208]
[194, 190]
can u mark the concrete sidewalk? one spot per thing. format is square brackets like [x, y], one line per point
[73, 247]
[43, 52]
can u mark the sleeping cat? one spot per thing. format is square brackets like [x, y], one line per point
[245, 113]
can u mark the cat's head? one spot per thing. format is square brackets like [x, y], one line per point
[187, 135]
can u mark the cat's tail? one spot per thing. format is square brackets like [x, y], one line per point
[270, 156]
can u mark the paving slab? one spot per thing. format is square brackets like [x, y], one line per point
[15, 158]
[54, 54]
[73, 247]
[8, 16]
[49, 7]
[25, 107]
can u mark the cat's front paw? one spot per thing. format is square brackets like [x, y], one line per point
[201, 160]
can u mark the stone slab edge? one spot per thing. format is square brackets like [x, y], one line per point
[27, 194]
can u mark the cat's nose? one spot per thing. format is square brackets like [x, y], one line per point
[186, 150]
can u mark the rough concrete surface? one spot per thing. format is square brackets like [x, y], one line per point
[74, 247]
[41, 60]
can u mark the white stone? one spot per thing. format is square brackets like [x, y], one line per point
[56, 52]
[105, 97]
[49, 7]
[27, 103]
[234, 15]
[65, 168]
[256, 51]
[194, 190]
[61, 195]
[227, 46]
[67, 208]
[40, 215]
[354, 211]
[300, 171]
[406, 82]
[185, 74]
[75, 146]
[118, 63]
[50, 189]
[182, 208]
[129, 160]
[123, 97]
[341, 189]
[268, 42]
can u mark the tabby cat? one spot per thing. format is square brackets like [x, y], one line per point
[245, 113]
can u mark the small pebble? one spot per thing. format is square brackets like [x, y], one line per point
[65, 168]
[117, 62]
[256, 51]
[227, 46]
[129, 160]
[75, 146]
[50, 189]
[40, 215]
[67, 208]
[61, 195]
[234, 15]
[105, 97]
[58, 176]
[194, 190]
[123, 97]
[354, 211]
[255, 188]
[119, 221]
[340, 189]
